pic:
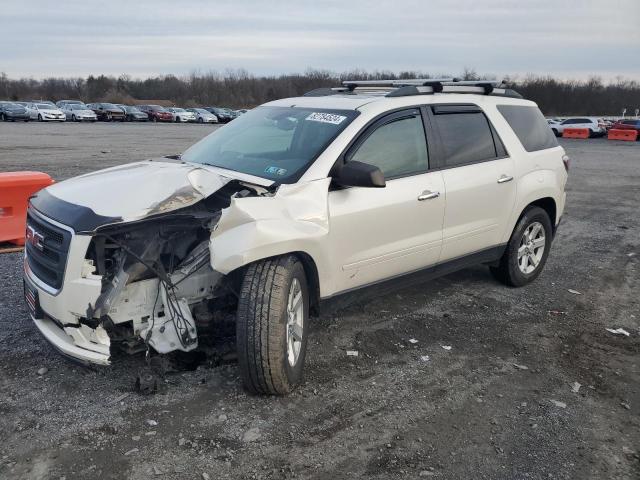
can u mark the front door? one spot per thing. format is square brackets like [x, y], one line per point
[378, 233]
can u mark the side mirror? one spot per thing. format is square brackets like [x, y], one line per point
[359, 174]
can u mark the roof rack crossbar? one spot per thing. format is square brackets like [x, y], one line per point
[418, 86]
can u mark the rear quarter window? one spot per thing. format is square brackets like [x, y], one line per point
[530, 127]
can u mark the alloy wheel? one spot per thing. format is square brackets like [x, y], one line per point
[531, 248]
[295, 322]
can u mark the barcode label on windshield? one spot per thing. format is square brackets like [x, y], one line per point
[326, 118]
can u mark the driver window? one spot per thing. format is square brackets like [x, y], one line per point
[398, 148]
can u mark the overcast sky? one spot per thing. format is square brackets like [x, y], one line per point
[565, 38]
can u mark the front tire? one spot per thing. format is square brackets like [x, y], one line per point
[39, 117]
[527, 250]
[271, 325]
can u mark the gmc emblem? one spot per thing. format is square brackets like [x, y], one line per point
[34, 238]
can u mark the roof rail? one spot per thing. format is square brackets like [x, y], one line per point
[417, 86]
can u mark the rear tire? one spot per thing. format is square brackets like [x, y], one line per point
[271, 325]
[527, 250]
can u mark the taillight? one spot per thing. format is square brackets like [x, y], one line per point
[566, 161]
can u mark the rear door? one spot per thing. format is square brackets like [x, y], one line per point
[378, 233]
[478, 176]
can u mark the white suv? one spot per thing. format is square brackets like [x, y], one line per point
[293, 203]
[596, 126]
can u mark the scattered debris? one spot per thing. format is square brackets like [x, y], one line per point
[42, 371]
[618, 331]
[251, 435]
[427, 473]
[575, 388]
[119, 398]
[559, 404]
[631, 254]
[205, 476]
[628, 451]
[575, 292]
[157, 471]
[425, 358]
[413, 340]
[222, 418]
[352, 353]
[447, 347]
[152, 423]
[181, 441]
[133, 450]
[625, 405]
[520, 367]
[135, 438]
[557, 312]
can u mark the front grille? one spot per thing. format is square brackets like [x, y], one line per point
[47, 263]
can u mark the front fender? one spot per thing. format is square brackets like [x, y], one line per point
[295, 219]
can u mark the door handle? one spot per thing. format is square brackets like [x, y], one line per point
[505, 179]
[428, 195]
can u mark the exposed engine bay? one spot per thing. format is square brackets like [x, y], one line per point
[159, 289]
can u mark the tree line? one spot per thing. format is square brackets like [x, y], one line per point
[240, 89]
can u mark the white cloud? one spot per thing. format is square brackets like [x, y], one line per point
[572, 38]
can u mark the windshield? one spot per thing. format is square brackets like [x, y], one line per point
[46, 106]
[277, 143]
[108, 105]
[132, 110]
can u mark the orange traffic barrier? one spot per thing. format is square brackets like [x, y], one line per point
[15, 190]
[575, 133]
[626, 135]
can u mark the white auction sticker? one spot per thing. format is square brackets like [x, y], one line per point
[326, 118]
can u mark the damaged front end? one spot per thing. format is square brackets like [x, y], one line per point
[144, 282]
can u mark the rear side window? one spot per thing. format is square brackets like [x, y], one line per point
[529, 126]
[466, 137]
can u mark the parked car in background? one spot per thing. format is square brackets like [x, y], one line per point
[553, 124]
[627, 125]
[156, 113]
[181, 115]
[62, 103]
[31, 109]
[133, 114]
[203, 116]
[596, 126]
[45, 102]
[78, 112]
[107, 112]
[224, 115]
[10, 112]
[47, 112]
[241, 111]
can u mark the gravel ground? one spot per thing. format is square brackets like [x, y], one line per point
[532, 387]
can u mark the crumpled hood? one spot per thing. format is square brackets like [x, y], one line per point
[130, 192]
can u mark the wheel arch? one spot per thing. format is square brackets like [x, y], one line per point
[548, 204]
[310, 270]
